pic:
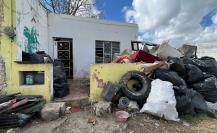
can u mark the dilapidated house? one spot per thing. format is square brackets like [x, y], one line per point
[78, 42]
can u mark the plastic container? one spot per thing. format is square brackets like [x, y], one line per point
[122, 116]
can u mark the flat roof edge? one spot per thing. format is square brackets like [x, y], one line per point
[78, 18]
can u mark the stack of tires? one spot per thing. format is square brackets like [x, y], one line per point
[60, 85]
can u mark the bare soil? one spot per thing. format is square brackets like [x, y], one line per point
[84, 121]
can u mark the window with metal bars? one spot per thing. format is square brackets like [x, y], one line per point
[106, 51]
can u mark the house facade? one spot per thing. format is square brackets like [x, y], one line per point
[91, 41]
[78, 42]
[83, 41]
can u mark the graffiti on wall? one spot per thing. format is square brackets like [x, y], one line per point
[32, 42]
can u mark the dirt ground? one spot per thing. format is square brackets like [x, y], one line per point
[137, 123]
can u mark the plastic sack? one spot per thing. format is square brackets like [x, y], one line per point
[177, 65]
[211, 65]
[191, 102]
[171, 76]
[161, 101]
[206, 64]
[207, 88]
[194, 74]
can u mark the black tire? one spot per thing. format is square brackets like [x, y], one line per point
[123, 102]
[140, 94]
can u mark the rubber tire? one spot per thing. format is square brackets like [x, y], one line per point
[143, 93]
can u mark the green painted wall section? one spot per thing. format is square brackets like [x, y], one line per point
[31, 35]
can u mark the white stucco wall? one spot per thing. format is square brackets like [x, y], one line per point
[207, 50]
[84, 32]
[31, 27]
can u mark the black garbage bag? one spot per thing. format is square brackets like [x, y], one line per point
[58, 63]
[211, 65]
[206, 64]
[188, 101]
[171, 76]
[32, 57]
[205, 75]
[194, 74]
[177, 65]
[207, 88]
[58, 73]
[61, 90]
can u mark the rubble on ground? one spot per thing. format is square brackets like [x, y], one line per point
[102, 108]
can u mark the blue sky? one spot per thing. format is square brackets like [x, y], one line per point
[188, 21]
[113, 8]
[207, 19]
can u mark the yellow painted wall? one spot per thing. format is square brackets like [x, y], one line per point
[100, 74]
[8, 52]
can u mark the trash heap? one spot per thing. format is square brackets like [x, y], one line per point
[171, 82]
[16, 110]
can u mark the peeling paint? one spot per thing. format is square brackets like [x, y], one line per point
[100, 82]
[32, 39]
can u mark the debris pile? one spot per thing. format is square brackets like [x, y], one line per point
[171, 82]
[16, 110]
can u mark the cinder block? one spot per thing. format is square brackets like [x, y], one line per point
[52, 111]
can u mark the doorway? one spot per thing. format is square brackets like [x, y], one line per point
[64, 49]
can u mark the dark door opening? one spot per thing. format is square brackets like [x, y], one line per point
[65, 55]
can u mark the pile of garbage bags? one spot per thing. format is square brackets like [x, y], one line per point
[172, 85]
[16, 110]
[60, 85]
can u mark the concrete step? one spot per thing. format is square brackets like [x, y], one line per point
[81, 101]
